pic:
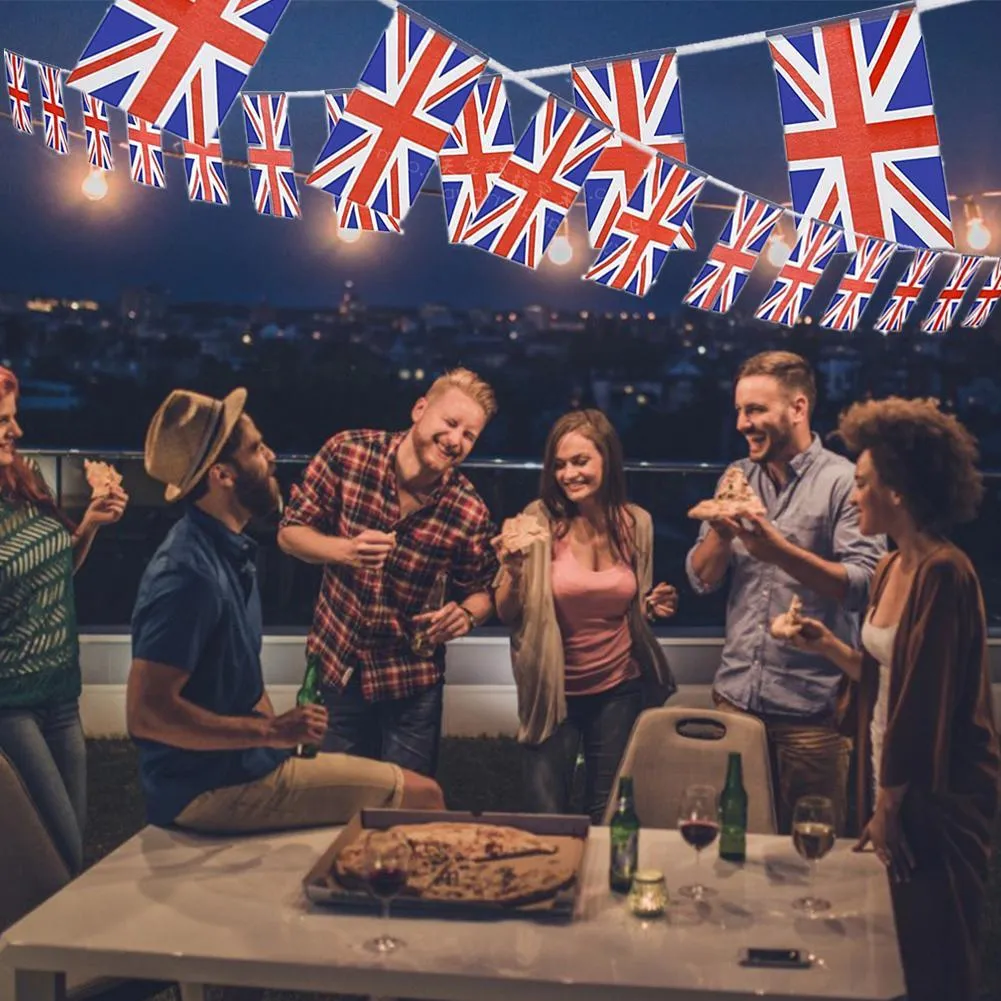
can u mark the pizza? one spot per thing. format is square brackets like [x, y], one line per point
[482, 863]
[789, 624]
[520, 532]
[734, 498]
[102, 477]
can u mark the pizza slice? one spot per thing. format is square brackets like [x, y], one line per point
[789, 624]
[497, 843]
[518, 533]
[102, 478]
[734, 498]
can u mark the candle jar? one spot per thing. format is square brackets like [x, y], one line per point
[648, 894]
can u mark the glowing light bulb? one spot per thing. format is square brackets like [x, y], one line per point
[778, 251]
[95, 185]
[978, 236]
[348, 235]
[560, 252]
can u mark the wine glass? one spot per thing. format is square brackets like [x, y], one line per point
[698, 821]
[813, 835]
[387, 864]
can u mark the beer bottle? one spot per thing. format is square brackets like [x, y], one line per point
[733, 812]
[624, 836]
[435, 600]
[309, 695]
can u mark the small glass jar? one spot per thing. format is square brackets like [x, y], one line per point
[648, 894]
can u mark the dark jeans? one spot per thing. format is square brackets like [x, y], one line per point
[404, 731]
[46, 747]
[603, 722]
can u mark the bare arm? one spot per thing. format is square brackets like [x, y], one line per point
[710, 559]
[823, 577]
[480, 605]
[264, 706]
[817, 638]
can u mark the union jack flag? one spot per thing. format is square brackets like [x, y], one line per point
[146, 153]
[53, 109]
[744, 236]
[475, 153]
[646, 228]
[179, 64]
[986, 300]
[946, 306]
[860, 131]
[858, 284]
[642, 98]
[539, 182]
[905, 295]
[351, 215]
[17, 91]
[816, 244]
[204, 170]
[269, 154]
[398, 117]
[97, 128]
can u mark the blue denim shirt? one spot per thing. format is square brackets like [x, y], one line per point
[758, 673]
[199, 610]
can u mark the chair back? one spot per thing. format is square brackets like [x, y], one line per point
[674, 747]
[31, 868]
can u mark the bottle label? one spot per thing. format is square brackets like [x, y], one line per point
[625, 848]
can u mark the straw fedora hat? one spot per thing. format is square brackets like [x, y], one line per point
[186, 436]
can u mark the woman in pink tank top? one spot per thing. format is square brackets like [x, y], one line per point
[589, 597]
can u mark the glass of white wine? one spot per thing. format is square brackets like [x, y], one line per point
[813, 835]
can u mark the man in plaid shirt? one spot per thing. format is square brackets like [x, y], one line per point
[385, 514]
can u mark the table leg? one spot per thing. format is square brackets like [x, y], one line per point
[39, 985]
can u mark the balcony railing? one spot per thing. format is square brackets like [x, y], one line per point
[106, 586]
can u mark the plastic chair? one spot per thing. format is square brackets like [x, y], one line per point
[674, 747]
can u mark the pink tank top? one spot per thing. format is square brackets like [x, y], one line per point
[592, 609]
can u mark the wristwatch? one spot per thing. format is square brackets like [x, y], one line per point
[470, 616]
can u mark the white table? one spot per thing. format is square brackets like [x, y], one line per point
[174, 906]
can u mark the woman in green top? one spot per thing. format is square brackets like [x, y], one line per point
[40, 731]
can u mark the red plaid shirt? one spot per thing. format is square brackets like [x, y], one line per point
[362, 619]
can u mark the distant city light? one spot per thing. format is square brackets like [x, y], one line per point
[651, 316]
[511, 317]
[623, 315]
[404, 374]
[629, 390]
[95, 185]
[513, 335]
[701, 349]
[583, 314]
[247, 339]
[317, 335]
[418, 373]
[642, 399]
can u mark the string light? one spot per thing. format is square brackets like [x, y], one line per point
[560, 251]
[978, 236]
[348, 235]
[95, 185]
[778, 250]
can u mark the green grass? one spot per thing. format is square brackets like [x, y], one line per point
[476, 774]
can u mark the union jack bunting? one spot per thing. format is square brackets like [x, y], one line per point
[642, 98]
[946, 306]
[146, 153]
[269, 154]
[646, 228]
[858, 284]
[97, 128]
[986, 299]
[475, 153]
[816, 244]
[17, 91]
[860, 131]
[351, 215]
[526, 204]
[53, 109]
[176, 63]
[744, 236]
[204, 170]
[905, 295]
[398, 117]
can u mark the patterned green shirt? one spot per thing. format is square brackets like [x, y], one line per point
[39, 645]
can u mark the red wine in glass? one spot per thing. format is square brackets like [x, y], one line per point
[386, 883]
[699, 833]
[387, 863]
[698, 823]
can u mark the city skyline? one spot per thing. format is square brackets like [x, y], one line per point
[67, 245]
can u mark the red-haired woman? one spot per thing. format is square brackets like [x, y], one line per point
[40, 731]
[585, 661]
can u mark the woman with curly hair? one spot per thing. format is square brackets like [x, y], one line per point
[40, 549]
[922, 717]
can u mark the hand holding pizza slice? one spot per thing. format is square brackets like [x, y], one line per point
[789, 625]
[734, 498]
[102, 477]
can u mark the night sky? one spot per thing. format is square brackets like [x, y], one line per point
[56, 242]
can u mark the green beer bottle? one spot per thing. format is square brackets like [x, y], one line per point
[624, 836]
[309, 695]
[733, 812]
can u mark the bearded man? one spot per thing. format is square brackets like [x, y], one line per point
[389, 516]
[213, 754]
[808, 545]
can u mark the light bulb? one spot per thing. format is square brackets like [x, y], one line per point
[560, 252]
[95, 185]
[978, 236]
[348, 235]
[778, 251]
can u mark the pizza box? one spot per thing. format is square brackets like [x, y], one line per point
[322, 887]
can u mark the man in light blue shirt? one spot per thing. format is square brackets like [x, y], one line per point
[809, 546]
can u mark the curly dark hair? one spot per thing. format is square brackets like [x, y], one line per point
[927, 456]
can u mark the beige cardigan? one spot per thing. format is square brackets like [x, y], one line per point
[537, 646]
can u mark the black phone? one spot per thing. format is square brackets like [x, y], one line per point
[783, 959]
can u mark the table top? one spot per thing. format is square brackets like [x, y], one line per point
[196, 909]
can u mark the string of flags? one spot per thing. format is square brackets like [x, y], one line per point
[862, 149]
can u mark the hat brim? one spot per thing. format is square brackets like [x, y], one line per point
[232, 410]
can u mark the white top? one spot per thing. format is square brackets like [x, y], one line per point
[878, 640]
[176, 906]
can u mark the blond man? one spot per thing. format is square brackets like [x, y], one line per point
[387, 514]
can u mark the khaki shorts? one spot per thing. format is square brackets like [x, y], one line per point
[301, 792]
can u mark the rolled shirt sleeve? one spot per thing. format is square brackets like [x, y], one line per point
[856, 552]
[696, 582]
[315, 500]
